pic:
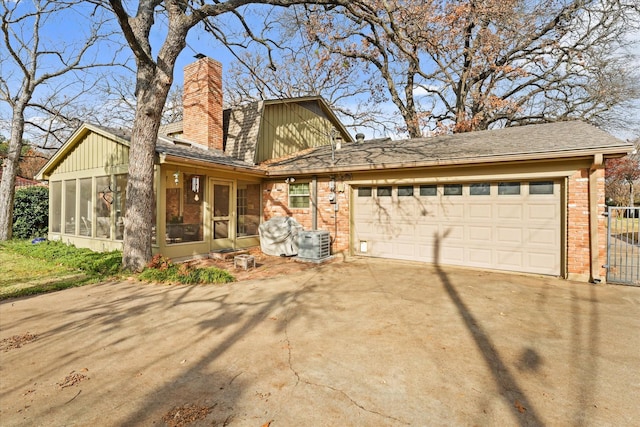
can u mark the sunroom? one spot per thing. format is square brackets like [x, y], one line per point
[205, 202]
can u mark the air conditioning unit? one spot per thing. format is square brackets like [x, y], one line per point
[314, 246]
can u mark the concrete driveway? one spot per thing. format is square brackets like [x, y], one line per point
[362, 342]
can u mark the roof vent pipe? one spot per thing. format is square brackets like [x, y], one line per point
[359, 138]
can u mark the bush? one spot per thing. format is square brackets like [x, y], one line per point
[31, 212]
[161, 269]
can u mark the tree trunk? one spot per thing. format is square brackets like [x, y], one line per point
[153, 87]
[9, 172]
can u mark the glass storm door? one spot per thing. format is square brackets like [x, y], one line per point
[221, 214]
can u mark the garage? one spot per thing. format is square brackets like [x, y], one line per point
[510, 225]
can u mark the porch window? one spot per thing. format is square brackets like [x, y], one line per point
[299, 195]
[86, 207]
[70, 207]
[55, 207]
[248, 209]
[120, 198]
[103, 202]
[184, 207]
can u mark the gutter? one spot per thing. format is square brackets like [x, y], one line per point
[617, 151]
[167, 158]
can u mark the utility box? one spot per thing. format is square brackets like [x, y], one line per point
[314, 245]
[279, 236]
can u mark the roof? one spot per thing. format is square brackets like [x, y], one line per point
[166, 147]
[24, 182]
[241, 125]
[532, 142]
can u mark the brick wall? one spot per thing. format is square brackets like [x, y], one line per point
[202, 103]
[578, 239]
[276, 203]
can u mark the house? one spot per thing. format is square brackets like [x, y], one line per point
[526, 199]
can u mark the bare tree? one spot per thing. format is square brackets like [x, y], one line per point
[30, 62]
[474, 64]
[154, 76]
[295, 68]
[622, 175]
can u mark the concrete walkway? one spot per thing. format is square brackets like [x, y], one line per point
[363, 342]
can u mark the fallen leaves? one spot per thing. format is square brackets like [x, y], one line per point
[17, 341]
[519, 407]
[73, 378]
[185, 414]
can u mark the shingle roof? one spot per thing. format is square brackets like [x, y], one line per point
[174, 147]
[553, 140]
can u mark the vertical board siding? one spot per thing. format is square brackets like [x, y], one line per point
[94, 152]
[289, 128]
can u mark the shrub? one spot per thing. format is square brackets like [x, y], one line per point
[31, 212]
[161, 269]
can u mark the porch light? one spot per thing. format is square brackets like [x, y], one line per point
[195, 187]
[176, 177]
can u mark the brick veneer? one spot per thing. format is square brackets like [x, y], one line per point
[578, 239]
[202, 103]
[276, 203]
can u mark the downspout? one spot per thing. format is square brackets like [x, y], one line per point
[314, 202]
[598, 163]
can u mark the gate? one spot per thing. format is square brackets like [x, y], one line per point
[623, 246]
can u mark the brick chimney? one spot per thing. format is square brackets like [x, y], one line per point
[202, 103]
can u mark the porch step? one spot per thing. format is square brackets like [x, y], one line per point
[227, 254]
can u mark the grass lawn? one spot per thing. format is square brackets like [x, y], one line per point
[21, 275]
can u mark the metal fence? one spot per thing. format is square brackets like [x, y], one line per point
[623, 246]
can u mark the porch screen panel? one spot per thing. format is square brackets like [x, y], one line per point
[119, 204]
[193, 189]
[86, 207]
[248, 209]
[103, 201]
[55, 206]
[70, 207]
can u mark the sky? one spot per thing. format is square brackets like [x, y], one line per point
[67, 29]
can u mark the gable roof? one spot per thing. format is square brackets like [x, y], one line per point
[168, 149]
[533, 142]
[242, 124]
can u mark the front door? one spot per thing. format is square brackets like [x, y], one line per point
[221, 215]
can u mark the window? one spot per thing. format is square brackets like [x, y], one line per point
[405, 190]
[453, 189]
[86, 207]
[248, 209]
[299, 195]
[120, 198]
[55, 207]
[103, 201]
[428, 190]
[384, 191]
[70, 207]
[541, 187]
[364, 191]
[508, 188]
[480, 189]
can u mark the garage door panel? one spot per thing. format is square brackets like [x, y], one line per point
[509, 235]
[479, 256]
[541, 212]
[509, 232]
[510, 212]
[480, 234]
[511, 259]
[480, 211]
[452, 211]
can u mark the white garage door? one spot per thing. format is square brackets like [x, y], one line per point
[511, 226]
